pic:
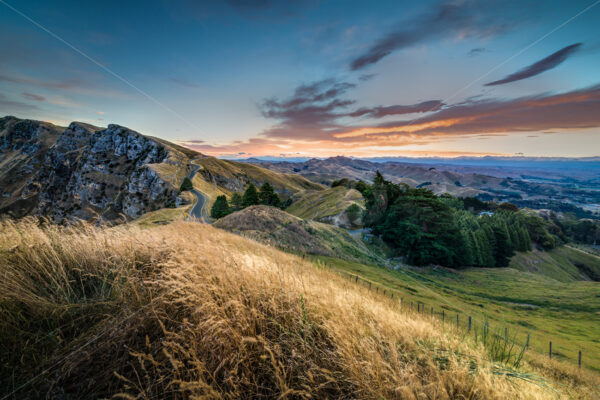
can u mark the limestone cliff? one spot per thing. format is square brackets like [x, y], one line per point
[85, 172]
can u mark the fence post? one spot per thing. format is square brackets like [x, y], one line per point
[443, 315]
[356, 281]
[550, 350]
[384, 291]
[457, 320]
[392, 295]
[376, 289]
[506, 334]
[432, 311]
[401, 301]
[469, 323]
[527, 343]
[579, 358]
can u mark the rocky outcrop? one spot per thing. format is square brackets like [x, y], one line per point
[95, 173]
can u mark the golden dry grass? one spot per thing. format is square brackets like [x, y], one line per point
[188, 311]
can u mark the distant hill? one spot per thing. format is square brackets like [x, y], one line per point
[327, 205]
[530, 187]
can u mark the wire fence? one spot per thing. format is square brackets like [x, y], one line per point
[505, 344]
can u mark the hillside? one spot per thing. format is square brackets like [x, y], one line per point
[234, 176]
[564, 264]
[86, 172]
[327, 205]
[544, 301]
[189, 311]
[272, 226]
[112, 174]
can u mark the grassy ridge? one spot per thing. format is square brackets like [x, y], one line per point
[525, 302]
[232, 170]
[324, 203]
[275, 227]
[186, 310]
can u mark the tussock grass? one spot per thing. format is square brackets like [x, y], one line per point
[188, 311]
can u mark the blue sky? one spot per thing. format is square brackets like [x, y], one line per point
[261, 77]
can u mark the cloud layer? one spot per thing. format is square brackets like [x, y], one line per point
[305, 126]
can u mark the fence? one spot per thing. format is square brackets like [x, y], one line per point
[469, 325]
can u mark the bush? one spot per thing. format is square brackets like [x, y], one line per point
[186, 185]
[220, 208]
[353, 212]
[267, 195]
[250, 197]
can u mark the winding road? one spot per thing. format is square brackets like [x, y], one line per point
[198, 207]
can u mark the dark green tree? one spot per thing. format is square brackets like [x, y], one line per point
[250, 197]
[361, 186]
[236, 201]
[186, 185]
[267, 195]
[353, 212]
[220, 208]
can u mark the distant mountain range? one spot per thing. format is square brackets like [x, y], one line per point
[538, 185]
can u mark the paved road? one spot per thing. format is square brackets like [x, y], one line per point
[196, 211]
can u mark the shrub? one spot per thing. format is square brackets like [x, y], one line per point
[186, 185]
[220, 208]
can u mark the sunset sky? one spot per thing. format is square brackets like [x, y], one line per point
[314, 78]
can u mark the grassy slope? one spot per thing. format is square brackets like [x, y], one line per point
[565, 312]
[324, 203]
[275, 227]
[560, 264]
[186, 310]
[162, 216]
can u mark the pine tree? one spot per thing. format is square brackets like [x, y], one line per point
[250, 197]
[236, 201]
[267, 195]
[220, 208]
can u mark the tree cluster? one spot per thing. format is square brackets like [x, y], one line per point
[266, 195]
[454, 232]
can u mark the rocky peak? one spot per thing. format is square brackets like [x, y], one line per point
[86, 171]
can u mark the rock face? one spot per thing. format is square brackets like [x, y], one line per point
[87, 172]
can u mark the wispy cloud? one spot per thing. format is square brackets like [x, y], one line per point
[552, 61]
[33, 96]
[457, 19]
[476, 51]
[185, 83]
[380, 112]
[314, 110]
[78, 86]
[311, 109]
[16, 106]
